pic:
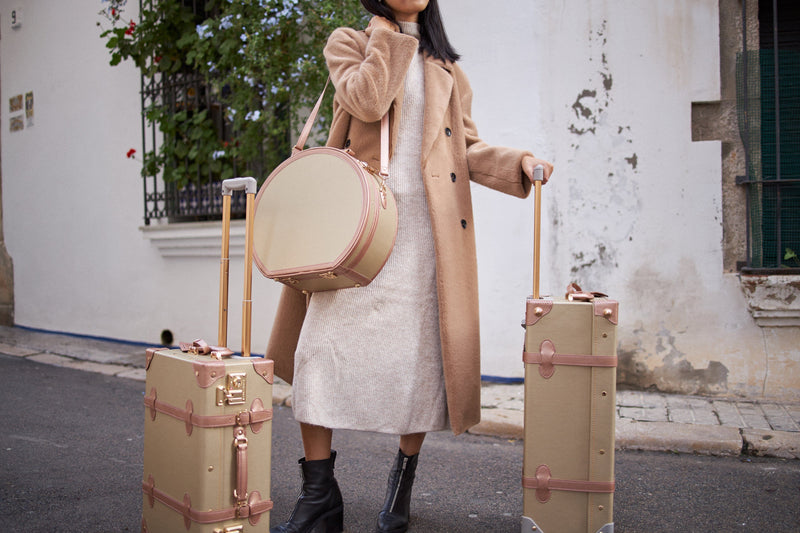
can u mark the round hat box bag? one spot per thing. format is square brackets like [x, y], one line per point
[323, 221]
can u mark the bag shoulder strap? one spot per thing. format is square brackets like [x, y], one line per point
[301, 141]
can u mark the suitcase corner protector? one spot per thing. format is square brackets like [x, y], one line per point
[529, 525]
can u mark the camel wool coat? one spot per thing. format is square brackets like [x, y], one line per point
[368, 69]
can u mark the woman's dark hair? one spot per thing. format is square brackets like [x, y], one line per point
[433, 38]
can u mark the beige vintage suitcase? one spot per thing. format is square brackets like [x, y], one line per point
[207, 431]
[570, 385]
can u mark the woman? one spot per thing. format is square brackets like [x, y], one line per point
[400, 355]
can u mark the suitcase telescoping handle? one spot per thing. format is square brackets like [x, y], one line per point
[249, 186]
[538, 179]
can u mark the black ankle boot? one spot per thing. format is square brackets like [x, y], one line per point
[319, 507]
[394, 516]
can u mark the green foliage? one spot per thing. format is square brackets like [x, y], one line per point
[792, 257]
[261, 61]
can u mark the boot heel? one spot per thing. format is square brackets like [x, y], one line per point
[319, 507]
[332, 522]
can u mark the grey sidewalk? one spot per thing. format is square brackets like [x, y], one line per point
[645, 420]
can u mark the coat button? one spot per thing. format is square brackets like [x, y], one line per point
[448, 132]
[347, 143]
[463, 223]
[453, 177]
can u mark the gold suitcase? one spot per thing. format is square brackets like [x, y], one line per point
[207, 431]
[570, 385]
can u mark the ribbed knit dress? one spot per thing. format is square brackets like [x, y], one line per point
[369, 358]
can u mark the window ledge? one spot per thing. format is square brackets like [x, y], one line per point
[194, 239]
[774, 301]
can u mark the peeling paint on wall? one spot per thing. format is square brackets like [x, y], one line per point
[608, 194]
[676, 374]
[600, 256]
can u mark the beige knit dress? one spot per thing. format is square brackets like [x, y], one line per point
[369, 358]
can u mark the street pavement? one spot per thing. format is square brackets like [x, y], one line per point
[650, 421]
[72, 445]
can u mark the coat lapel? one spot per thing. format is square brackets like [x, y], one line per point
[438, 88]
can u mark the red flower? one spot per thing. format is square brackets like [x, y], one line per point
[131, 152]
[157, 59]
[130, 29]
[113, 12]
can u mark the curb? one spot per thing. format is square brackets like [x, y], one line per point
[768, 443]
[680, 438]
[664, 436]
[500, 421]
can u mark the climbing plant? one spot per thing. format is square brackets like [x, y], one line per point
[260, 67]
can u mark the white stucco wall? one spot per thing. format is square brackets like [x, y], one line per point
[602, 88]
[72, 201]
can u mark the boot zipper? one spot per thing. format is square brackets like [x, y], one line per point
[399, 482]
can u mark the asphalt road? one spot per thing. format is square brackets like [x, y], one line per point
[72, 446]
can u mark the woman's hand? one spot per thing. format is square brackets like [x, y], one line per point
[381, 22]
[529, 163]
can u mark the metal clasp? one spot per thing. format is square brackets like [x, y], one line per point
[230, 529]
[233, 392]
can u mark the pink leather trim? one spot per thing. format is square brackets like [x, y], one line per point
[536, 309]
[264, 368]
[385, 145]
[148, 357]
[240, 444]
[251, 509]
[150, 402]
[256, 407]
[363, 175]
[207, 372]
[543, 483]
[548, 357]
[547, 352]
[187, 417]
[198, 346]
[256, 416]
[255, 503]
[355, 276]
[201, 347]
[373, 219]
[187, 510]
[148, 490]
[575, 293]
[608, 309]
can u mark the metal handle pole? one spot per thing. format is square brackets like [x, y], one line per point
[224, 272]
[538, 178]
[247, 302]
[249, 186]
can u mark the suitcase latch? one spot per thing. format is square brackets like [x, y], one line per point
[230, 529]
[233, 392]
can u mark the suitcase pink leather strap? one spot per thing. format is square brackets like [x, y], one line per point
[547, 358]
[543, 483]
[201, 347]
[254, 417]
[252, 509]
[240, 443]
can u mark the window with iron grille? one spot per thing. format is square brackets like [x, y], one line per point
[223, 84]
[768, 104]
[183, 95]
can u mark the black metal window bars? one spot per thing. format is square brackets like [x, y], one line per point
[768, 105]
[200, 199]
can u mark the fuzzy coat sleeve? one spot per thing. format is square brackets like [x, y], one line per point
[368, 69]
[496, 167]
